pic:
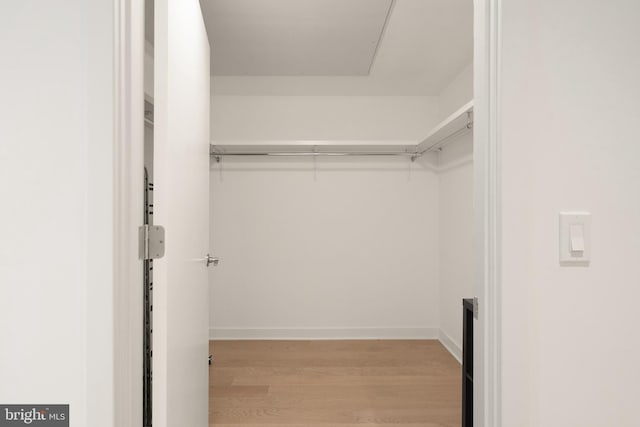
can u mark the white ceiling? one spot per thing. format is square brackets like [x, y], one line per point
[424, 45]
[294, 37]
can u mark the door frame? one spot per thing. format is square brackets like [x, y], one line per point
[128, 179]
[128, 33]
[487, 219]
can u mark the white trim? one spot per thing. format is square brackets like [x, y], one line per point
[493, 323]
[322, 333]
[450, 345]
[238, 334]
[128, 26]
[487, 343]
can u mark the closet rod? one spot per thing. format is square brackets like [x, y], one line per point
[218, 155]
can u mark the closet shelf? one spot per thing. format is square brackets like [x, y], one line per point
[456, 124]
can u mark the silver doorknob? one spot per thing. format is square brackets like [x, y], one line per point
[212, 260]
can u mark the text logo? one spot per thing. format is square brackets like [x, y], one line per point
[34, 415]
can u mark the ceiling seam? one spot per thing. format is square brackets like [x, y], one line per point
[381, 36]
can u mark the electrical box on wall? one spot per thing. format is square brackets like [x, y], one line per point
[575, 238]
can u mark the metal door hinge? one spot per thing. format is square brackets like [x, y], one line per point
[151, 241]
[475, 307]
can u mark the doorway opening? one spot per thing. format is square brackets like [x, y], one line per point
[321, 120]
[341, 206]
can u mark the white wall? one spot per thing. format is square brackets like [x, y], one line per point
[322, 117]
[457, 93]
[256, 203]
[56, 187]
[349, 250]
[456, 247]
[456, 251]
[570, 94]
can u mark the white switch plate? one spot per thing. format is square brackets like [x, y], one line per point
[576, 222]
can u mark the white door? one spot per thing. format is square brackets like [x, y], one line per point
[181, 205]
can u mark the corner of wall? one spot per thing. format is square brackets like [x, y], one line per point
[457, 92]
[451, 346]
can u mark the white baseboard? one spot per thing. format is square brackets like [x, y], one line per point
[450, 345]
[338, 334]
[322, 333]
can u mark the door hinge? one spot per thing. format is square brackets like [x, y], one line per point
[151, 241]
[475, 307]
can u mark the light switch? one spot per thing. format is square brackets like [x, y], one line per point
[575, 233]
[576, 236]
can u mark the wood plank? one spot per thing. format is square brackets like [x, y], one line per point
[341, 383]
[239, 391]
[337, 380]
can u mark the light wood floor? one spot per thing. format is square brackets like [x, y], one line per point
[333, 383]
